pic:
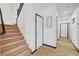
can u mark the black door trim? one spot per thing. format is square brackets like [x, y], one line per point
[67, 29]
[37, 15]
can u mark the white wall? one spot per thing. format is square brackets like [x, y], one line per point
[74, 29]
[50, 32]
[26, 23]
[9, 13]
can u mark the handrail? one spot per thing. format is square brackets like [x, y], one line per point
[18, 11]
[2, 23]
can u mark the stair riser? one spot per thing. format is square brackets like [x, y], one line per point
[9, 26]
[11, 40]
[14, 52]
[0, 44]
[4, 49]
[10, 35]
[12, 31]
[0, 49]
[0, 30]
[9, 30]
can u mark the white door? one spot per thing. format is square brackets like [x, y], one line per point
[63, 30]
[39, 32]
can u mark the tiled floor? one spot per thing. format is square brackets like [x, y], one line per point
[64, 48]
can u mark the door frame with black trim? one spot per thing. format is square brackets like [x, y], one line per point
[37, 15]
[67, 29]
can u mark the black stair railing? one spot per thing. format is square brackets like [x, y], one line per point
[18, 11]
[2, 27]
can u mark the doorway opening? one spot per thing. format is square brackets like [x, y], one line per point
[64, 30]
[39, 27]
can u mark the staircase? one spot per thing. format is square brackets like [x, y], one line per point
[12, 43]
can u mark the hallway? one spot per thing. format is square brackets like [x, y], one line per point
[64, 48]
[27, 26]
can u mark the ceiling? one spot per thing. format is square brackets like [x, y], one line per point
[63, 9]
[66, 9]
[46, 5]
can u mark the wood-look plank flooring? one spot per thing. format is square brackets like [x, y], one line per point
[64, 48]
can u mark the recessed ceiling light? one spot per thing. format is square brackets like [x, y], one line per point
[65, 12]
[56, 14]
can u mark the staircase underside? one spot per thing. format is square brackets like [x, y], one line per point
[12, 43]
